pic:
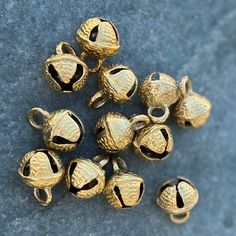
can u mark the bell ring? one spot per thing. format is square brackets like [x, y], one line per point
[41, 169]
[85, 178]
[117, 83]
[65, 71]
[115, 132]
[98, 38]
[124, 189]
[192, 109]
[62, 129]
[158, 90]
[177, 197]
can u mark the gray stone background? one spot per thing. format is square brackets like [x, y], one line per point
[197, 38]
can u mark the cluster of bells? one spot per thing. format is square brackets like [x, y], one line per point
[150, 137]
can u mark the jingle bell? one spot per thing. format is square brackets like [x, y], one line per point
[65, 71]
[155, 92]
[192, 109]
[62, 129]
[124, 189]
[85, 178]
[117, 82]
[98, 38]
[115, 132]
[154, 142]
[177, 197]
[41, 169]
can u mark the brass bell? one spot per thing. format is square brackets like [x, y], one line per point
[98, 38]
[117, 82]
[154, 142]
[192, 109]
[65, 71]
[115, 132]
[158, 90]
[41, 169]
[124, 189]
[177, 197]
[62, 129]
[85, 178]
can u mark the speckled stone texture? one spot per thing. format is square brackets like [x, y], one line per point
[192, 37]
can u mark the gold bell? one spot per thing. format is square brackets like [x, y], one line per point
[124, 189]
[62, 129]
[98, 38]
[41, 169]
[177, 197]
[192, 109]
[117, 82]
[158, 90]
[155, 141]
[65, 71]
[115, 132]
[85, 178]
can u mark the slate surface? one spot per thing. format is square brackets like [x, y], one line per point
[197, 38]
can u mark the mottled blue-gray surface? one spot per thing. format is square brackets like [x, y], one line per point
[197, 38]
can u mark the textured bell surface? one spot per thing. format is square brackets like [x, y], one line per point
[62, 129]
[98, 37]
[192, 109]
[65, 72]
[118, 83]
[158, 89]
[124, 190]
[84, 178]
[177, 196]
[154, 142]
[114, 132]
[41, 168]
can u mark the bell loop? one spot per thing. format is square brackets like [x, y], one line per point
[37, 111]
[44, 200]
[65, 48]
[139, 121]
[83, 56]
[119, 165]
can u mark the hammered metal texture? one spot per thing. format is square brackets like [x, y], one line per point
[192, 109]
[62, 130]
[42, 172]
[114, 132]
[118, 83]
[124, 190]
[65, 72]
[155, 92]
[154, 142]
[84, 178]
[98, 38]
[177, 196]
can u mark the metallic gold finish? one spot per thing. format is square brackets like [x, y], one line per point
[124, 189]
[41, 169]
[65, 71]
[177, 197]
[155, 92]
[117, 82]
[85, 178]
[62, 129]
[98, 38]
[115, 132]
[154, 142]
[161, 118]
[192, 109]
[158, 92]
